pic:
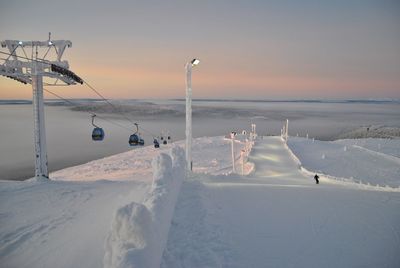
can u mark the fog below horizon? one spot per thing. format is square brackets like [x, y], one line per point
[68, 128]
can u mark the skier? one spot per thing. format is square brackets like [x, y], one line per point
[316, 177]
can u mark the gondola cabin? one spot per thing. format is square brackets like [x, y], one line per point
[134, 140]
[156, 143]
[97, 134]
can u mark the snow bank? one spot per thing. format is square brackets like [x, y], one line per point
[128, 166]
[211, 155]
[139, 232]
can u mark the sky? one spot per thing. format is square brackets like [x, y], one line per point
[248, 49]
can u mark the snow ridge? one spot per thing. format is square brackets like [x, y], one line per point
[139, 232]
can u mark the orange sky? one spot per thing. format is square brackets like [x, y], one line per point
[121, 82]
[248, 49]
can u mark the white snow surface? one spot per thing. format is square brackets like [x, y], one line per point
[278, 217]
[136, 210]
[365, 161]
[59, 224]
[139, 231]
[65, 222]
[210, 155]
[385, 146]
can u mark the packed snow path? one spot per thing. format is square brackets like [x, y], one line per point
[277, 217]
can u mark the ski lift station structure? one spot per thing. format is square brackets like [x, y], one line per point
[31, 70]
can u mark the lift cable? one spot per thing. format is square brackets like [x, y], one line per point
[91, 113]
[26, 58]
[115, 108]
[88, 85]
[12, 53]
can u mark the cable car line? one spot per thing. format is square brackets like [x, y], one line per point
[98, 133]
[91, 113]
[115, 108]
[12, 53]
[40, 60]
[82, 81]
[85, 82]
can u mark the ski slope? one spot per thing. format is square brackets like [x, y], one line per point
[366, 161]
[277, 217]
[117, 211]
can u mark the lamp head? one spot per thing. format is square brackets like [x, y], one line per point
[195, 62]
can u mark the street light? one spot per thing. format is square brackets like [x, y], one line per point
[188, 68]
[195, 62]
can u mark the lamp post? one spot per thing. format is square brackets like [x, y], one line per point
[233, 151]
[287, 130]
[188, 132]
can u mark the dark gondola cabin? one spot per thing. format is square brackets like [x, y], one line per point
[97, 134]
[165, 142]
[156, 143]
[134, 140]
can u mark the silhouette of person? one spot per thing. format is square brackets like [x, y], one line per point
[316, 177]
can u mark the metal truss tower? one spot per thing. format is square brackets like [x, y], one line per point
[30, 69]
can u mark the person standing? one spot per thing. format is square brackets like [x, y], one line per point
[316, 177]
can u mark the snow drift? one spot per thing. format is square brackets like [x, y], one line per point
[139, 232]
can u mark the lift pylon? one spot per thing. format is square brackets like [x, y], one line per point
[44, 61]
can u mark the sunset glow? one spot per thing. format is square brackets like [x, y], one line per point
[257, 49]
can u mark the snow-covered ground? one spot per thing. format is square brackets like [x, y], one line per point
[65, 222]
[385, 146]
[59, 224]
[372, 131]
[278, 217]
[135, 210]
[210, 154]
[370, 161]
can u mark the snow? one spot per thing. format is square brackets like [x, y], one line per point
[139, 231]
[135, 209]
[210, 155]
[279, 217]
[372, 131]
[59, 224]
[385, 146]
[65, 222]
[355, 163]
